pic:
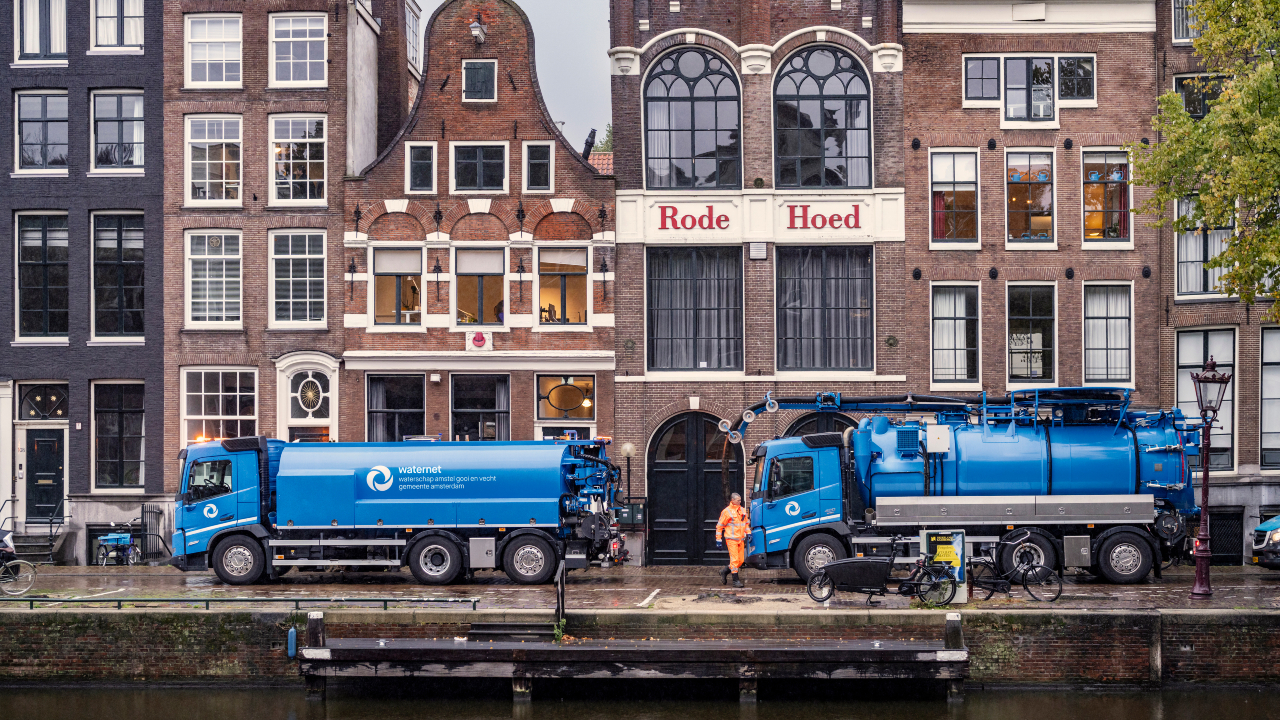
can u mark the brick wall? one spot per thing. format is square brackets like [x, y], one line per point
[1031, 648]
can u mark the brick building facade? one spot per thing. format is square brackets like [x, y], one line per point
[1195, 321]
[82, 430]
[267, 108]
[479, 255]
[750, 267]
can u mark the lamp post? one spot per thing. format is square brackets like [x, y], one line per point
[1210, 386]
[628, 451]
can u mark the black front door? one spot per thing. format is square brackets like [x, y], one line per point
[44, 474]
[692, 471]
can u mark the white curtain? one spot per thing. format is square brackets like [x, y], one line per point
[1106, 310]
[58, 27]
[952, 308]
[31, 27]
[133, 22]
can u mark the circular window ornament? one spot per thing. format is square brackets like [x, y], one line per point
[310, 394]
[565, 397]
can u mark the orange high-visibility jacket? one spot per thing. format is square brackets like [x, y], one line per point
[733, 524]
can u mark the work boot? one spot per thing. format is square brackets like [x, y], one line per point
[724, 575]
[736, 582]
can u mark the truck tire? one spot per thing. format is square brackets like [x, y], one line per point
[529, 560]
[435, 560]
[1035, 550]
[1124, 558]
[815, 551]
[238, 560]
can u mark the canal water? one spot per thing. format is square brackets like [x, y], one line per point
[218, 703]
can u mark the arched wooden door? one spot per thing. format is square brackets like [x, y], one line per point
[692, 469]
[820, 422]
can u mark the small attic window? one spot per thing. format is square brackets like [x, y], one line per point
[478, 80]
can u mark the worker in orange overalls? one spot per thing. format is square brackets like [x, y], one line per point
[732, 528]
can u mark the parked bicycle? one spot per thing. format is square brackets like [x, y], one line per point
[1039, 581]
[120, 546]
[16, 576]
[929, 581]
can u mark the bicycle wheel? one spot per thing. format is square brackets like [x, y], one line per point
[1042, 583]
[132, 555]
[820, 587]
[17, 577]
[936, 588]
[104, 554]
[982, 577]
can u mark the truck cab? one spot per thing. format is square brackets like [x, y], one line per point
[221, 491]
[1266, 544]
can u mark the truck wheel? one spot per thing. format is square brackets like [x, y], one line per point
[1124, 558]
[435, 560]
[1035, 550]
[529, 560]
[238, 560]
[815, 551]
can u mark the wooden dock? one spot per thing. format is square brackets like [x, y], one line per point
[744, 660]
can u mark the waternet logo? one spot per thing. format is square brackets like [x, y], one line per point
[374, 474]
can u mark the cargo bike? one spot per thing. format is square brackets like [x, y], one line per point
[933, 583]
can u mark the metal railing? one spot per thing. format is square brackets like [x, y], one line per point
[297, 602]
[153, 545]
[560, 582]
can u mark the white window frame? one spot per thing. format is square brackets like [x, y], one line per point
[1010, 385]
[452, 276]
[1178, 294]
[186, 163]
[415, 38]
[96, 49]
[1133, 371]
[510, 411]
[17, 137]
[968, 385]
[1173, 25]
[1102, 245]
[435, 167]
[187, 278]
[272, 322]
[292, 364]
[18, 338]
[94, 170]
[1004, 202]
[371, 325]
[94, 340]
[187, 82]
[182, 395]
[93, 435]
[1262, 366]
[51, 62]
[272, 201]
[1058, 102]
[272, 80]
[524, 167]
[538, 325]
[506, 166]
[955, 245]
[1235, 392]
[462, 73]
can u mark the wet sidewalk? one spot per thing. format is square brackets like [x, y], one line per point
[660, 588]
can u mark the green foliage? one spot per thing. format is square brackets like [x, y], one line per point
[559, 630]
[1230, 159]
[605, 144]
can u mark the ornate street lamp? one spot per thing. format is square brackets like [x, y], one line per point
[1211, 386]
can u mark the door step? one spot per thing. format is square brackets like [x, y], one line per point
[512, 632]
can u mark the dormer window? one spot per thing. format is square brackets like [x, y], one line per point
[478, 81]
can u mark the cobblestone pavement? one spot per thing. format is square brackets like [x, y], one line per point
[662, 588]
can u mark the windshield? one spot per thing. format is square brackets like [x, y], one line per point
[209, 479]
[756, 485]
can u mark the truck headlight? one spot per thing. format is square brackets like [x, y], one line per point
[1275, 536]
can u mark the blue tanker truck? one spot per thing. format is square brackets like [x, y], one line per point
[1100, 486]
[253, 508]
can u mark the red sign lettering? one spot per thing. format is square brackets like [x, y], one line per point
[665, 213]
[669, 218]
[800, 220]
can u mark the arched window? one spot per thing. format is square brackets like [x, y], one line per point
[822, 116]
[691, 123]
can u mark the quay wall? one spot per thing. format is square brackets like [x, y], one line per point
[1007, 648]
